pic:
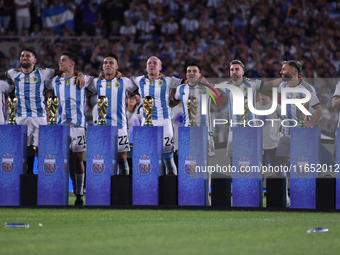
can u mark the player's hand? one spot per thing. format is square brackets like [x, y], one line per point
[81, 80]
[307, 123]
[202, 81]
[119, 75]
[101, 76]
[161, 75]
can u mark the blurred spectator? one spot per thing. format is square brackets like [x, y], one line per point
[13, 58]
[91, 16]
[128, 29]
[6, 8]
[23, 17]
[189, 24]
[145, 28]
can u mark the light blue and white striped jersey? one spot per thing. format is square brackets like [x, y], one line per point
[189, 25]
[29, 88]
[5, 87]
[71, 109]
[159, 90]
[115, 91]
[124, 30]
[292, 112]
[247, 83]
[185, 91]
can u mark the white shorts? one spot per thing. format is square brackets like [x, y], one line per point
[123, 140]
[283, 147]
[168, 134]
[32, 128]
[78, 139]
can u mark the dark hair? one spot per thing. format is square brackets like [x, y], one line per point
[30, 50]
[71, 56]
[295, 64]
[194, 63]
[236, 61]
[112, 56]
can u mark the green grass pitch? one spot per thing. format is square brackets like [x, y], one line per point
[91, 231]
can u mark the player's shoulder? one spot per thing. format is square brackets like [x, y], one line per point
[13, 71]
[307, 86]
[251, 80]
[183, 86]
[126, 79]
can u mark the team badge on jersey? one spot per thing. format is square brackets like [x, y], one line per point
[27, 79]
[152, 83]
[160, 83]
[117, 84]
[35, 78]
[244, 167]
[98, 166]
[192, 92]
[75, 82]
[189, 166]
[108, 84]
[50, 166]
[7, 164]
[144, 166]
[302, 167]
[67, 82]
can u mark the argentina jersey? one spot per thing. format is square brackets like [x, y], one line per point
[292, 111]
[235, 120]
[29, 88]
[71, 107]
[159, 90]
[115, 91]
[4, 88]
[185, 91]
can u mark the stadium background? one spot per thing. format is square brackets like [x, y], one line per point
[260, 33]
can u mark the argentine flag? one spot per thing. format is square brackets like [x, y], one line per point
[56, 17]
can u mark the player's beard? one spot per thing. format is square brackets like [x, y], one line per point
[236, 79]
[25, 66]
[287, 77]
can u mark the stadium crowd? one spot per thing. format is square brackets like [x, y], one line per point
[261, 33]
